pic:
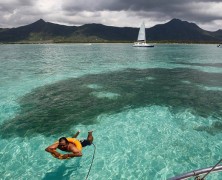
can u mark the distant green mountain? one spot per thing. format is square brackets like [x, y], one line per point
[37, 31]
[182, 31]
[43, 32]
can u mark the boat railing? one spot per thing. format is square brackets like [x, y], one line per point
[196, 173]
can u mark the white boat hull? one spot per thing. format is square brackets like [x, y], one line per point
[142, 45]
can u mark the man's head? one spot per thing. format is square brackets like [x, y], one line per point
[63, 143]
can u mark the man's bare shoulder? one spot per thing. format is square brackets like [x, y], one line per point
[73, 148]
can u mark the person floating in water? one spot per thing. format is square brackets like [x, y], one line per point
[71, 145]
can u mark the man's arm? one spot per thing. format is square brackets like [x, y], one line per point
[75, 153]
[52, 149]
[67, 156]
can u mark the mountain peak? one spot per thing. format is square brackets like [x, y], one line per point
[175, 20]
[180, 23]
[40, 21]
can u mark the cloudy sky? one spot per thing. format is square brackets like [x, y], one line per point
[123, 13]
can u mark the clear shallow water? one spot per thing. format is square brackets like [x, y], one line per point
[156, 112]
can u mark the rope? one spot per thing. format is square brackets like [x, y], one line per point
[211, 170]
[92, 160]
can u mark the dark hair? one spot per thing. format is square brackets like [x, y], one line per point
[64, 138]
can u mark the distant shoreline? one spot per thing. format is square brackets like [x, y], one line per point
[107, 42]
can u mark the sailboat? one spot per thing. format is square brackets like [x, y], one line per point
[141, 40]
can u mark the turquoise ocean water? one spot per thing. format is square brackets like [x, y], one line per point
[156, 113]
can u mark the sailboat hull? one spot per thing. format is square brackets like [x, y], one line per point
[142, 45]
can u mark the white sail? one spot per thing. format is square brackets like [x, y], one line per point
[142, 33]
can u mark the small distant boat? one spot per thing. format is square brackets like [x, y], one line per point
[141, 40]
[219, 45]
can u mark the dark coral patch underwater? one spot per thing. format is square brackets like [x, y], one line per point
[53, 108]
